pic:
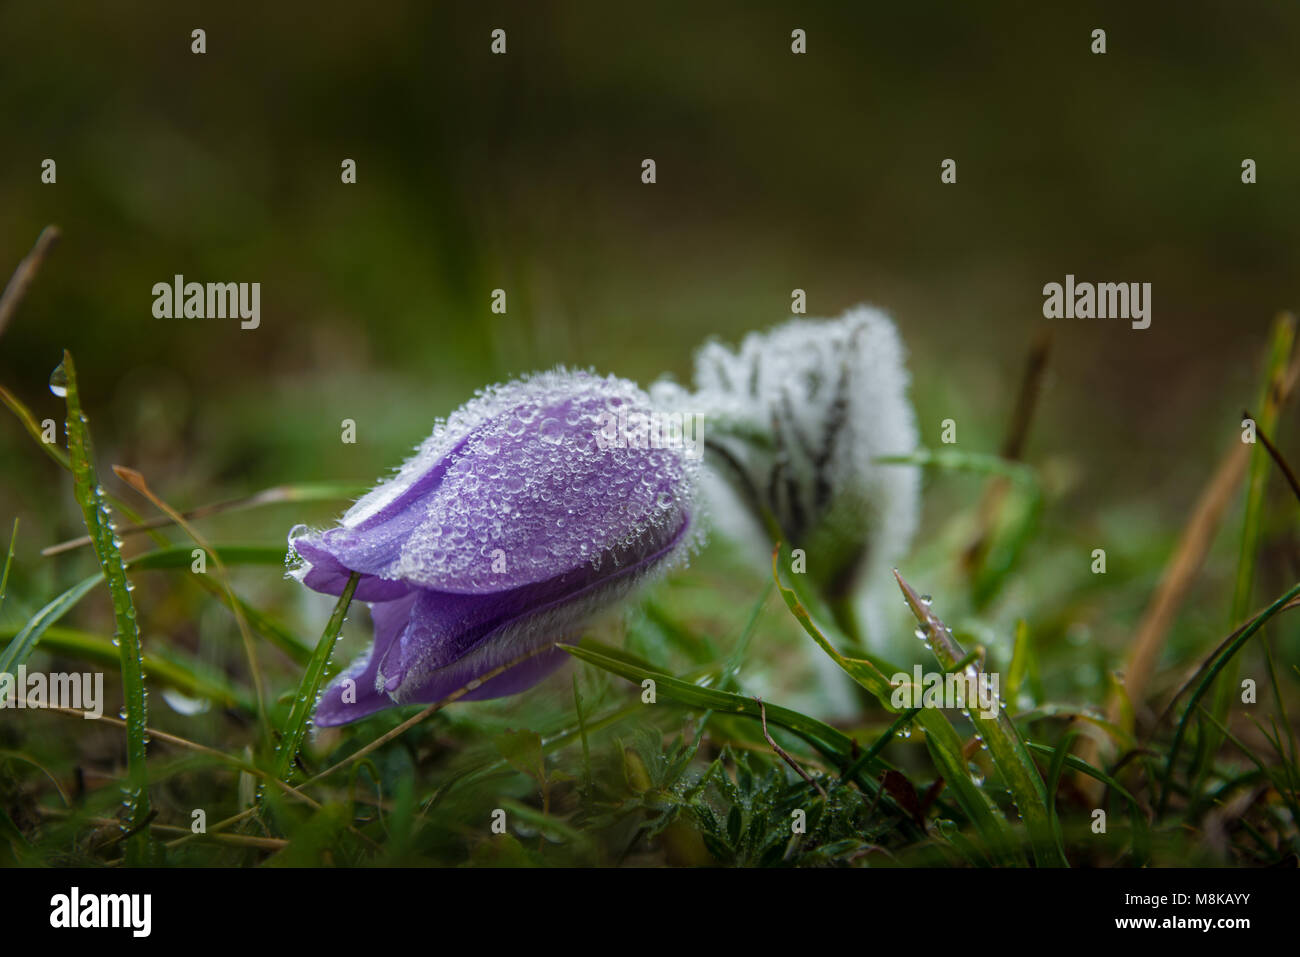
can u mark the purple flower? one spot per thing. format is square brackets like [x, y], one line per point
[515, 521]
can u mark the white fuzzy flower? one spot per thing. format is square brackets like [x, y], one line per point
[796, 418]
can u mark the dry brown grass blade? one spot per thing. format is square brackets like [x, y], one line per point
[785, 755]
[1192, 548]
[269, 496]
[1278, 459]
[25, 273]
[1013, 446]
[233, 840]
[1180, 572]
[136, 480]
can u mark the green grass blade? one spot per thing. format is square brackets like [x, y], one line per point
[954, 461]
[830, 742]
[945, 747]
[1019, 663]
[295, 726]
[24, 415]
[1053, 780]
[1268, 410]
[20, 649]
[860, 670]
[94, 510]
[1078, 764]
[164, 670]
[1221, 661]
[1141, 832]
[731, 667]
[834, 744]
[9, 560]
[1002, 739]
[903, 719]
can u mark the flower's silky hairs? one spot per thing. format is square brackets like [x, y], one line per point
[509, 528]
[797, 417]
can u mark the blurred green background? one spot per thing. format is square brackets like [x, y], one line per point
[522, 171]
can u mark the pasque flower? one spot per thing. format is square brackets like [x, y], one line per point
[798, 416]
[508, 529]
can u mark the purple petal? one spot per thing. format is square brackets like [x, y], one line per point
[469, 635]
[324, 572]
[429, 644]
[359, 682]
[525, 492]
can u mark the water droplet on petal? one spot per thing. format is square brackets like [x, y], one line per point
[551, 431]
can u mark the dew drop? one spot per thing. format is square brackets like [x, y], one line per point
[59, 381]
[551, 431]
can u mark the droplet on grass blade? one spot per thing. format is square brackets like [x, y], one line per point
[59, 381]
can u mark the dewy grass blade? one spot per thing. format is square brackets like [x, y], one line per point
[1000, 735]
[94, 510]
[905, 718]
[944, 745]
[941, 738]
[304, 701]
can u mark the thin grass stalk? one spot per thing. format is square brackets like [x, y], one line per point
[304, 701]
[1281, 344]
[1221, 662]
[94, 510]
